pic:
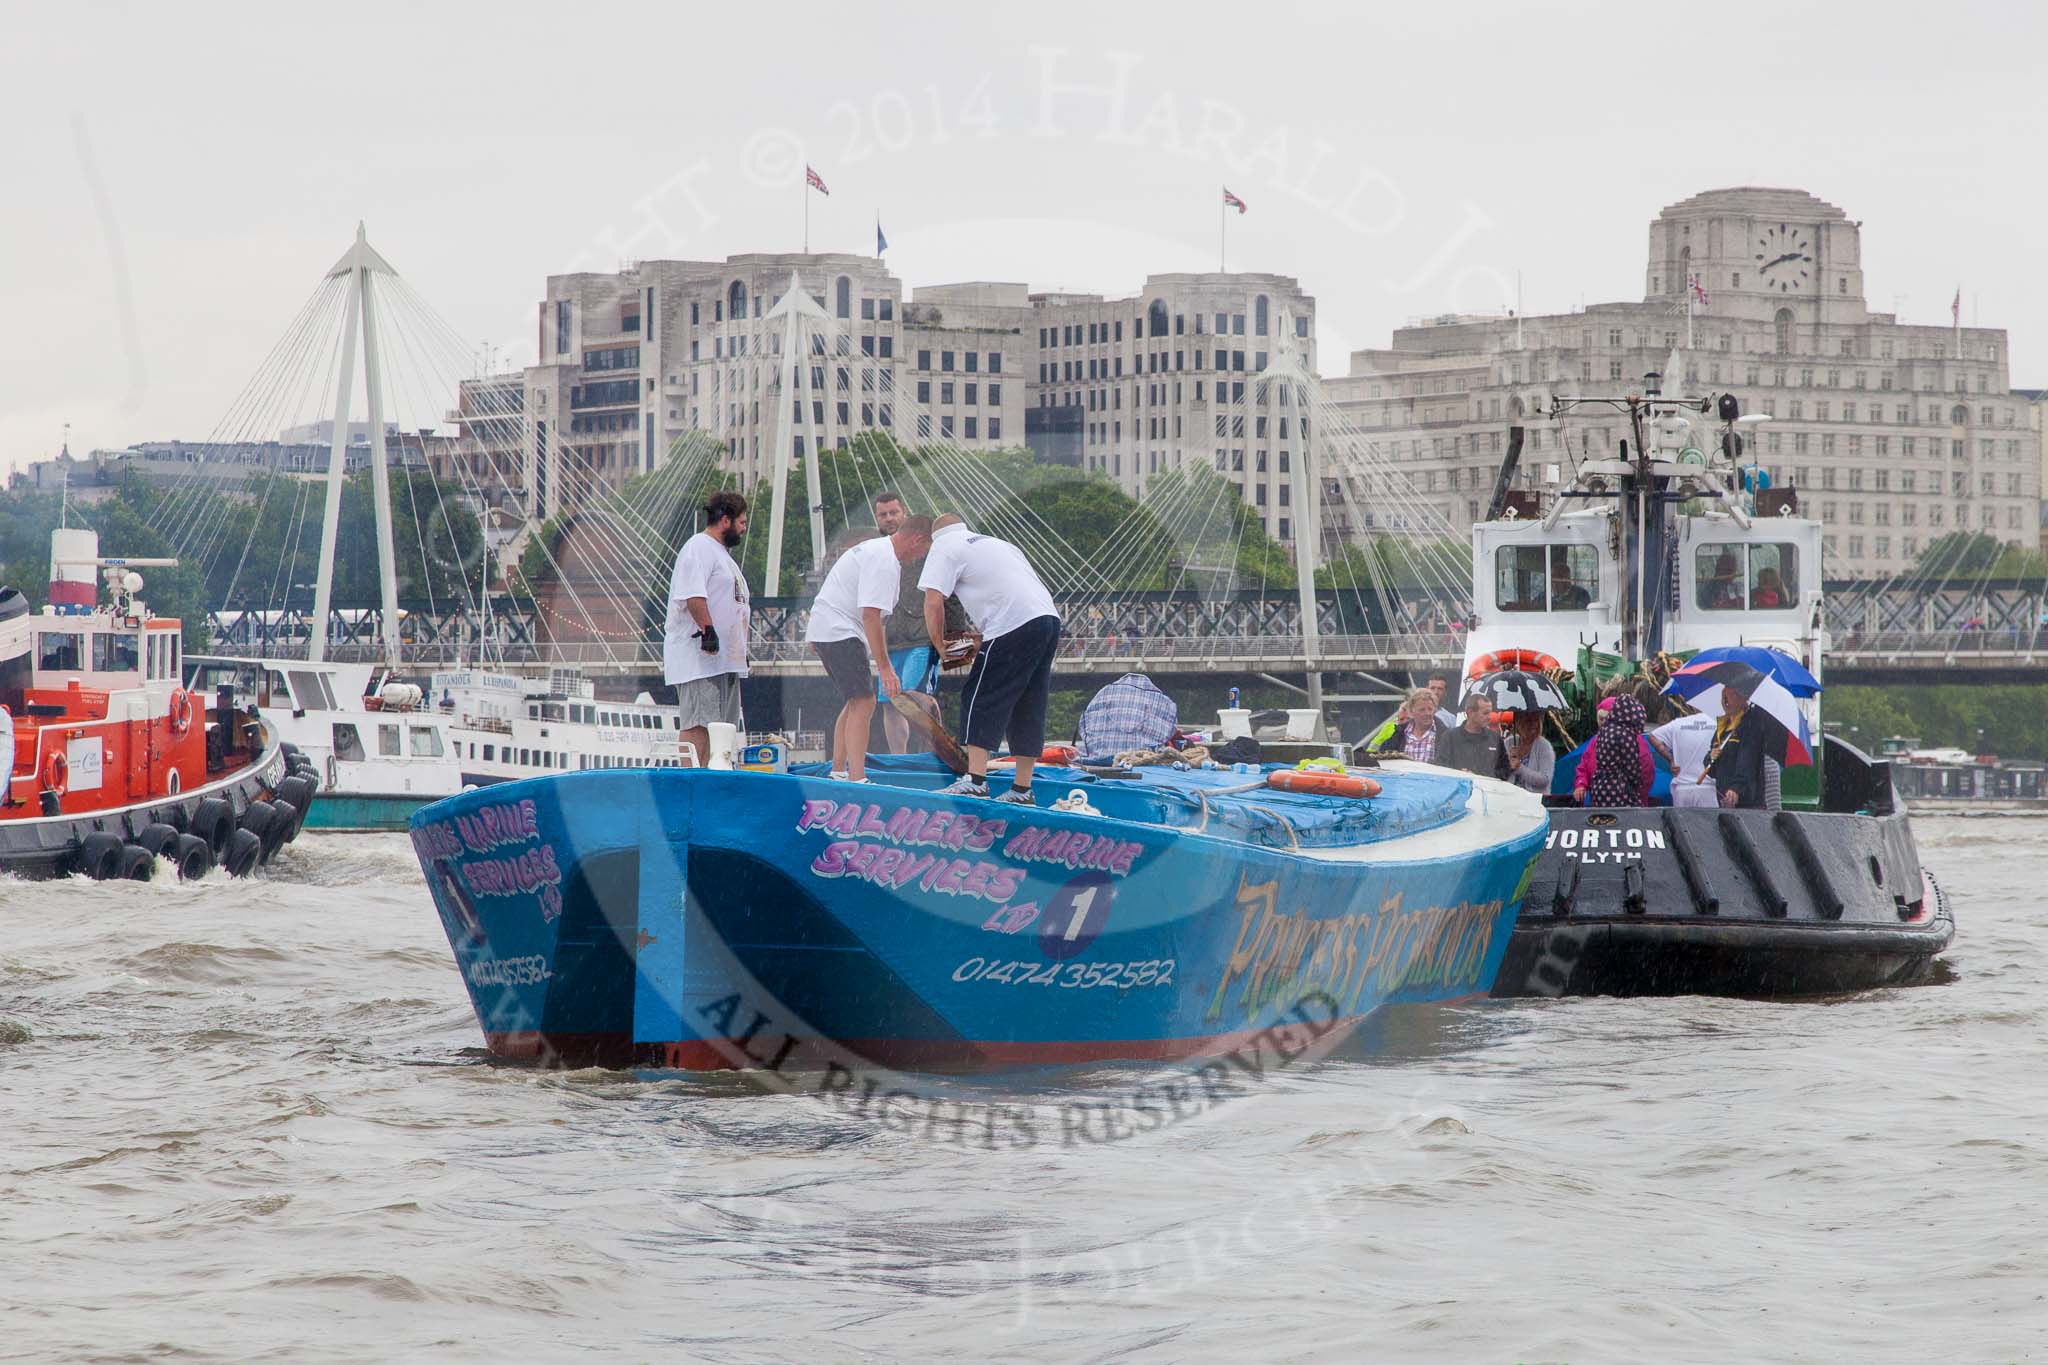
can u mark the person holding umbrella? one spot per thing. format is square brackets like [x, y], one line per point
[1532, 760]
[1760, 722]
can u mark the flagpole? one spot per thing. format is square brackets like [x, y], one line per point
[1222, 237]
[807, 210]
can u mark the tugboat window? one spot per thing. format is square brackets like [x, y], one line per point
[1740, 577]
[426, 741]
[60, 650]
[348, 745]
[387, 741]
[1546, 577]
[113, 653]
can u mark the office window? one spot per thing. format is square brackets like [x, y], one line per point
[945, 360]
[924, 360]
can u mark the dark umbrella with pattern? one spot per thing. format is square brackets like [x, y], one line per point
[1511, 689]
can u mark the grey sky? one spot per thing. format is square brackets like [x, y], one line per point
[1400, 162]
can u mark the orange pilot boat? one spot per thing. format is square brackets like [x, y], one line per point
[116, 767]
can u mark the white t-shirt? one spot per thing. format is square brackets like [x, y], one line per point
[6, 749]
[1688, 738]
[706, 569]
[867, 575]
[995, 582]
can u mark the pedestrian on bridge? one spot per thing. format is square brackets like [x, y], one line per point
[704, 647]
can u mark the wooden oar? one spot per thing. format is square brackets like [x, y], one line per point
[926, 723]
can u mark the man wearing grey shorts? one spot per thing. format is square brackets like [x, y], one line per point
[704, 649]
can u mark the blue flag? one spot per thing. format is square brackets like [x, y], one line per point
[881, 242]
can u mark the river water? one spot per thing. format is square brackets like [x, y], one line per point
[251, 1121]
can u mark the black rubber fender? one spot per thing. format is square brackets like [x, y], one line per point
[298, 791]
[138, 864]
[194, 857]
[99, 856]
[214, 821]
[256, 816]
[159, 839]
[245, 851]
[284, 827]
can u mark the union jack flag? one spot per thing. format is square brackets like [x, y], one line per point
[816, 181]
[1699, 291]
[1232, 200]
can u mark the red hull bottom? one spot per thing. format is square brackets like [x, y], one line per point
[617, 1050]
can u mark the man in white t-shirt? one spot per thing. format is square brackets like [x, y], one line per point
[1684, 743]
[704, 649]
[846, 632]
[1006, 692]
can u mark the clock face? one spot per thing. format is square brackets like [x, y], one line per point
[1784, 257]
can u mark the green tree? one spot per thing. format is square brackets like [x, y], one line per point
[1978, 554]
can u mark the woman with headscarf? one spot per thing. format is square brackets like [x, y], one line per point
[1589, 756]
[1618, 778]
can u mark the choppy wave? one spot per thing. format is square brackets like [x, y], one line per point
[249, 1120]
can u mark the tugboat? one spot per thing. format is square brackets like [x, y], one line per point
[1669, 547]
[113, 764]
[701, 919]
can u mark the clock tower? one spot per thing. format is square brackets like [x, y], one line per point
[1759, 253]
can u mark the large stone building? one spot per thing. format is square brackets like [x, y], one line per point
[664, 352]
[1894, 434]
[1136, 386]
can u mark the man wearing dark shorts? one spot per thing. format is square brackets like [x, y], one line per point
[915, 661]
[846, 632]
[1006, 692]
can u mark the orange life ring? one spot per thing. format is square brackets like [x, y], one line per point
[1528, 660]
[1321, 783]
[180, 711]
[56, 773]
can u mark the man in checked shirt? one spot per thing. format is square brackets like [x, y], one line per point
[1128, 714]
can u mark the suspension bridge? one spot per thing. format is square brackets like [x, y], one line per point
[1179, 586]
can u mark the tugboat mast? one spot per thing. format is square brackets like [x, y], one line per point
[1655, 468]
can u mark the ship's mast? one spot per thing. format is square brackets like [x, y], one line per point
[1655, 469]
